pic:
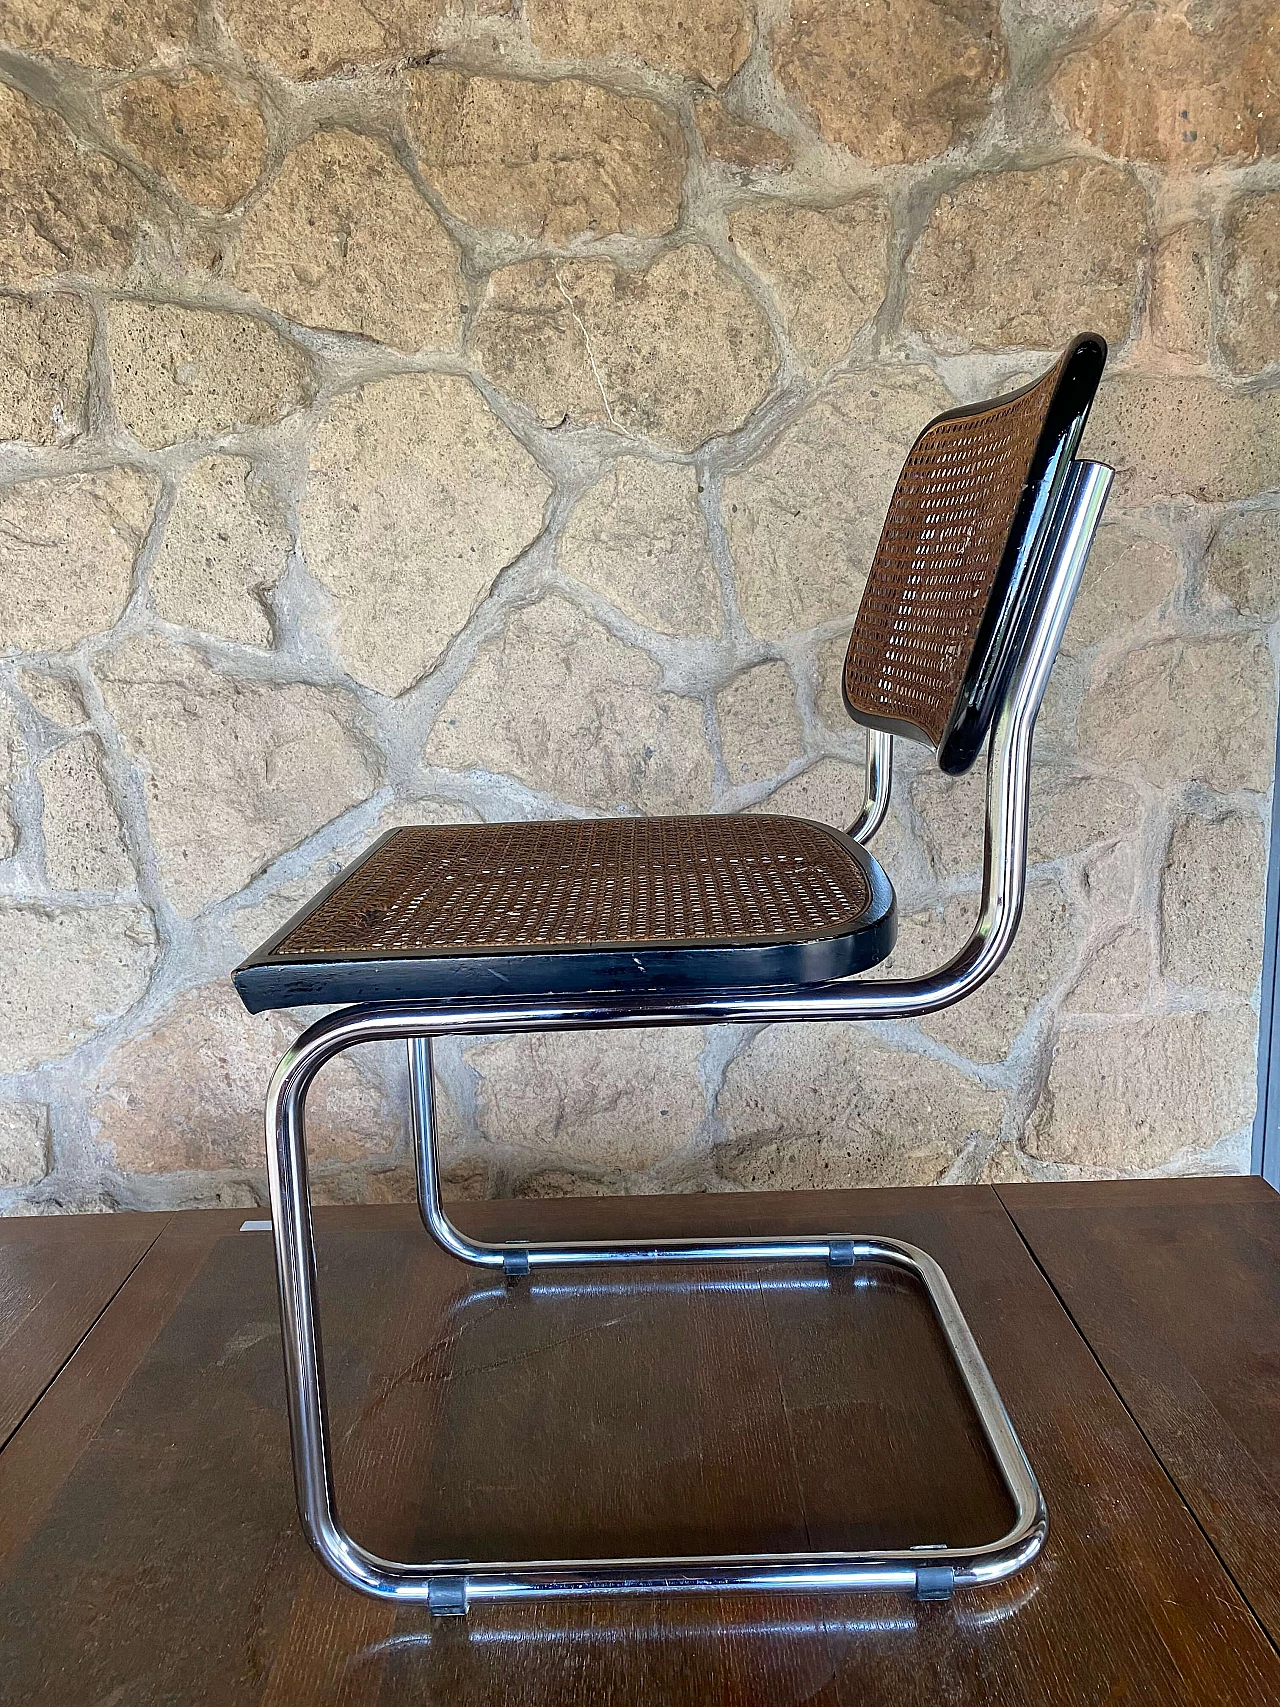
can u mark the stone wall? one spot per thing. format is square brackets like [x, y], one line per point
[485, 409]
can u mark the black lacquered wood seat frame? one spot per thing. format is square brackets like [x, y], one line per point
[536, 928]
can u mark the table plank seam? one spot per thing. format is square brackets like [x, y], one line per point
[125, 1278]
[1151, 1446]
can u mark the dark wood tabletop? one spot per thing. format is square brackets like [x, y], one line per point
[150, 1553]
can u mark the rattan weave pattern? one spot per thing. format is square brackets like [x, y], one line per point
[460, 889]
[948, 523]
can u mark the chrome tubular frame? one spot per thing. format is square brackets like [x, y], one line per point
[928, 1571]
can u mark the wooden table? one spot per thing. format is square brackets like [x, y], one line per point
[149, 1551]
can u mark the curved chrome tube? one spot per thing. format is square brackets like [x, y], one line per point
[447, 1587]
[879, 786]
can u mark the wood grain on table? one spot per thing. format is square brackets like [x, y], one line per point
[150, 1553]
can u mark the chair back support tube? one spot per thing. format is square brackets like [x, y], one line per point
[879, 784]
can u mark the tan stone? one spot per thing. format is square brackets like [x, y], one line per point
[418, 476]
[223, 549]
[343, 240]
[827, 793]
[1251, 284]
[13, 753]
[760, 728]
[117, 37]
[466, 1181]
[639, 537]
[735, 142]
[1028, 258]
[1244, 562]
[44, 368]
[1116, 978]
[810, 1106]
[829, 660]
[1174, 435]
[987, 1024]
[1185, 86]
[196, 131]
[233, 772]
[1181, 293]
[65, 209]
[803, 520]
[892, 83]
[54, 697]
[83, 842]
[829, 268]
[613, 1099]
[1127, 1096]
[1126, 578]
[558, 703]
[563, 1182]
[306, 40]
[1180, 709]
[67, 547]
[547, 160]
[24, 1143]
[678, 353]
[186, 1092]
[1212, 903]
[67, 972]
[707, 39]
[181, 373]
[1068, 814]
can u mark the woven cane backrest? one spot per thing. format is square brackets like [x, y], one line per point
[950, 541]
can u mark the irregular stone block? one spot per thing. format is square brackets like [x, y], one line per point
[418, 476]
[1244, 562]
[196, 131]
[118, 37]
[1182, 86]
[1127, 577]
[24, 1143]
[233, 772]
[803, 520]
[1116, 978]
[222, 550]
[1181, 293]
[1212, 903]
[547, 160]
[343, 240]
[1250, 333]
[1030, 258]
[54, 697]
[639, 537]
[735, 142]
[307, 41]
[68, 972]
[829, 269]
[707, 39]
[67, 210]
[1180, 709]
[1127, 1096]
[892, 83]
[678, 353]
[182, 373]
[67, 547]
[821, 1106]
[612, 1099]
[44, 368]
[186, 1093]
[827, 793]
[760, 728]
[1189, 435]
[83, 843]
[555, 701]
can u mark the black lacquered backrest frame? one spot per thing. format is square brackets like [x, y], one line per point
[954, 586]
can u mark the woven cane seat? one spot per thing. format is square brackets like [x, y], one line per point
[624, 903]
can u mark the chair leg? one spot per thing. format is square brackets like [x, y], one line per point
[449, 1586]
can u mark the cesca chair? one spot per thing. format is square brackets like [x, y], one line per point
[494, 928]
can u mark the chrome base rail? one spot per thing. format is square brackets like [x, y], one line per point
[451, 1586]
[928, 1571]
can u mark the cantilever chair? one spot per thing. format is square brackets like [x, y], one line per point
[468, 930]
